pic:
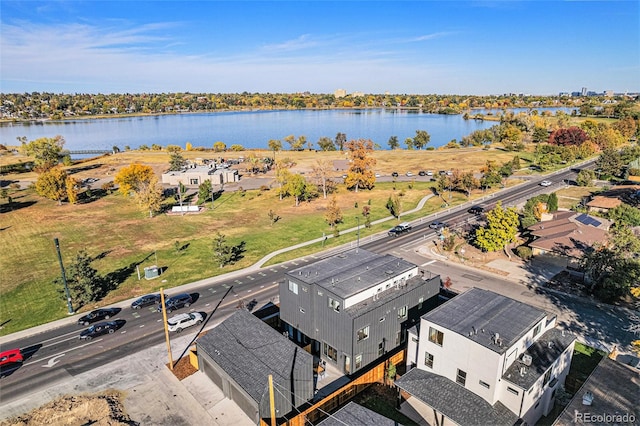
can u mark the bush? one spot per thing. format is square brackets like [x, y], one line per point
[524, 252]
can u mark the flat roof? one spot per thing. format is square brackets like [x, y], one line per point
[480, 315]
[352, 271]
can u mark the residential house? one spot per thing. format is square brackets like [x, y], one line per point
[602, 204]
[483, 358]
[194, 175]
[353, 414]
[610, 395]
[567, 234]
[352, 308]
[242, 352]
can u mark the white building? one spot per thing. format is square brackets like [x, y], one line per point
[195, 175]
[483, 358]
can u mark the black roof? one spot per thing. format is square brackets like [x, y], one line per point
[543, 352]
[481, 315]
[352, 271]
[354, 414]
[453, 400]
[248, 350]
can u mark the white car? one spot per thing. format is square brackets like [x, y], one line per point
[182, 321]
[546, 183]
[409, 174]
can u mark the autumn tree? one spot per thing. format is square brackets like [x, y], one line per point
[298, 187]
[360, 173]
[282, 177]
[333, 215]
[572, 136]
[219, 146]
[72, 187]
[393, 142]
[130, 178]
[394, 206]
[149, 195]
[341, 139]
[501, 229]
[326, 144]
[45, 151]
[421, 139]
[51, 184]
[275, 145]
[321, 171]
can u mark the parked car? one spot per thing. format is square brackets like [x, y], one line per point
[11, 356]
[399, 229]
[546, 183]
[394, 174]
[429, 173]
[146, 300]
[437, 225]
[477, 210]
[176, 302]
[409, 174]
[97, 315]
[182, 321]
[108, 327]
[378, 175]
[422, 173]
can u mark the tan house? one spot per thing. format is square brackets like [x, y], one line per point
[602, 204]
[194, 175]
[567, 234]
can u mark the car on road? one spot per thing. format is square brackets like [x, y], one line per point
[422, 173]
[98, 329]
[182, 321]
[146, 300]
[429, 173]
[378, 175]
[409, 174]
[11, 356]
[399, 229]
[437, 225]
[477, 210]
[546, 183]
[97, 315]
[176, 302]
[394, 174]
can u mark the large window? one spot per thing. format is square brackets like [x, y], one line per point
[402, 312]
[334, 304]
[293, 287]
[358, 361]
[436, 336]
[329, 351]
[363, 333]
[428, 359]
[536, 330]
[461, 377]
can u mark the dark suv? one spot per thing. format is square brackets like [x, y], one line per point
[477, 210]
[399, 229]
[176, 302]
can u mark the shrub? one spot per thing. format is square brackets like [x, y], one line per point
[524, 252]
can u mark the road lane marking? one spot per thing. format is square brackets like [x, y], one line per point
[429, 262]
[72, 349]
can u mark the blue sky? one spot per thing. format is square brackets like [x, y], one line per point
[414, 47]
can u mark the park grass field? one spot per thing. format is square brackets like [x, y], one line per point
[120, 237]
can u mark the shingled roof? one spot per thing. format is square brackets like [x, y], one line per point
[354, 414]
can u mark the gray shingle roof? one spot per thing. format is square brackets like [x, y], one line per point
[354, 414]
[542, 356]
[453, 400]
[248, 350]
[479, 314]
[352, 271]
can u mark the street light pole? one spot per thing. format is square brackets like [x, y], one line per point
[358, 241]
[64, 277]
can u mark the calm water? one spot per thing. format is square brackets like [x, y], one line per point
[249, 129]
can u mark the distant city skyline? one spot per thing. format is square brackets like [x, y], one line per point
[413, 47]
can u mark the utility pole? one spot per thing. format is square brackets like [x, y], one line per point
[358, 240]
[166, 328]
[64, 277]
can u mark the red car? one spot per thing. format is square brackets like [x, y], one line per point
[10, 357]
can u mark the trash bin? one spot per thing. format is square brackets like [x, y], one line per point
[151, 272]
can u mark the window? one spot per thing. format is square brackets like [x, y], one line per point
[420, 303]
[402, 312]
[547, 376]
[461, 377]
[536, 330]
[194, 181]
[293, 287]
[334, 304]
[428, 359]
[399, 337]
[363, 333]
[436, 336]
[381, 348]
[329, 351]
[484, 384]
[358, 361]
[512, 390]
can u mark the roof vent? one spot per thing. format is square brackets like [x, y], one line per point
[587, 399]
[550, 344]
[527, 359]
[523, 371]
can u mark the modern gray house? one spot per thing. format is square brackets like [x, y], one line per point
[240, 354]
[354, 307]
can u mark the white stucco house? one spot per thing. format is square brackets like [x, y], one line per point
[483, 358]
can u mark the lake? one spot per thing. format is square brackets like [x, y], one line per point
[251, 129]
